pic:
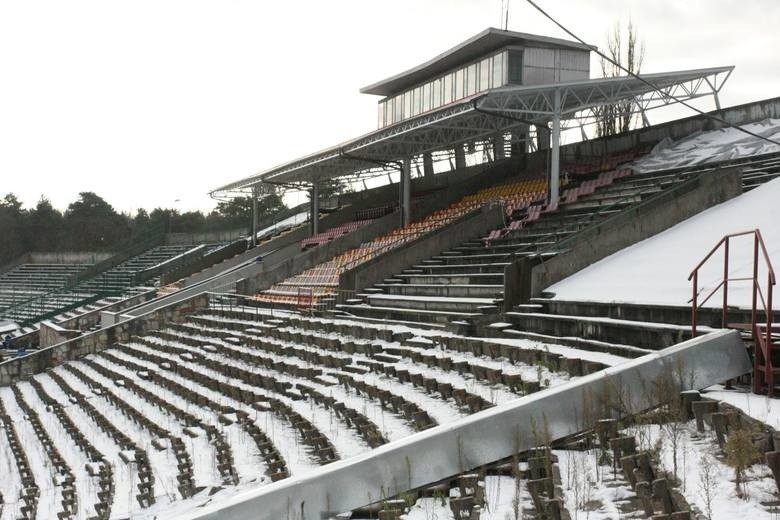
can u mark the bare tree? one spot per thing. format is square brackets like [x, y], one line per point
[627, 50]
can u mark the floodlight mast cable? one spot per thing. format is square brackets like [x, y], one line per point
[648, 83]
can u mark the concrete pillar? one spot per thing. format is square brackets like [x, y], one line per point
[498, 147]
[460, 157]
[555, 159]
[255, 195]
[314, 208]
[406, 192]
[428, 164]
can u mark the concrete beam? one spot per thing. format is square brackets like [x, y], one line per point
[489, 436]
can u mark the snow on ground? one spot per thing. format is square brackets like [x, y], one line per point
[656, 270]
[586, 494]
[712, 146]
[699, 460]
[759, 407]
[11, 483]
[49, 502]
[505, 499]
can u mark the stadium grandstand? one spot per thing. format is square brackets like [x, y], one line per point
[524, 321]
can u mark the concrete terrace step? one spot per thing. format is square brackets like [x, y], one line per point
[447, 290]
[590, 345]
[654, 336]
[477, 258]
[467, 268]
[667, 314]
[453, 278]
[405, 315]
[430, 303]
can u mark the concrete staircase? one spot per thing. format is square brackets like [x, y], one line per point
[460, 285]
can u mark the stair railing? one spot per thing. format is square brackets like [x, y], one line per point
[762, 333]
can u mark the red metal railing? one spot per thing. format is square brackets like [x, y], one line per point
[763, 371]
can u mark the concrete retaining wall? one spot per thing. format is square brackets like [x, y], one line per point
[88, 320]
[637, 223]
[650, 136]
[35, 362]
[394, 261]
[707, 316]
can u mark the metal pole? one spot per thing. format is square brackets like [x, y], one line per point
[724, 318]
[555, 166]
[759, 355]
[754, 317]
[695, 302]
[406, 192]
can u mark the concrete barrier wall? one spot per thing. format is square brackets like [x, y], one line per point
[637, 223]
[209, 237]
[68, 257]
[215, 257]
[88, 320]
[57, 257]
[474, 224]
[14, 369]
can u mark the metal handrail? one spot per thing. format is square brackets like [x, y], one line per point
[762, 366]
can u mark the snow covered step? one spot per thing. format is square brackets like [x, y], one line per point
[434, 303]
[478, 258]
[653, 336]
[448, 290]
[406, 314]
[450, 278]
[582, 344]
[496, 267]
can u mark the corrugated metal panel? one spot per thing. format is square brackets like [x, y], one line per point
[539, 57]
[538, 76]
[572, 75]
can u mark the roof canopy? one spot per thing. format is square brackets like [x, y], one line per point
[488, 114]
[489, 40]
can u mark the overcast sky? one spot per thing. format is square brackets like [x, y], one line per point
[155, 102]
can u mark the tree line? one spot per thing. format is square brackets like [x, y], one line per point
[91, 224]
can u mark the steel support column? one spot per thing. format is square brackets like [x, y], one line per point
[428, 164]
[460, 157]
[314, 209]
[255, 194]
[405, 187]
[498, 147]
[555, 159]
